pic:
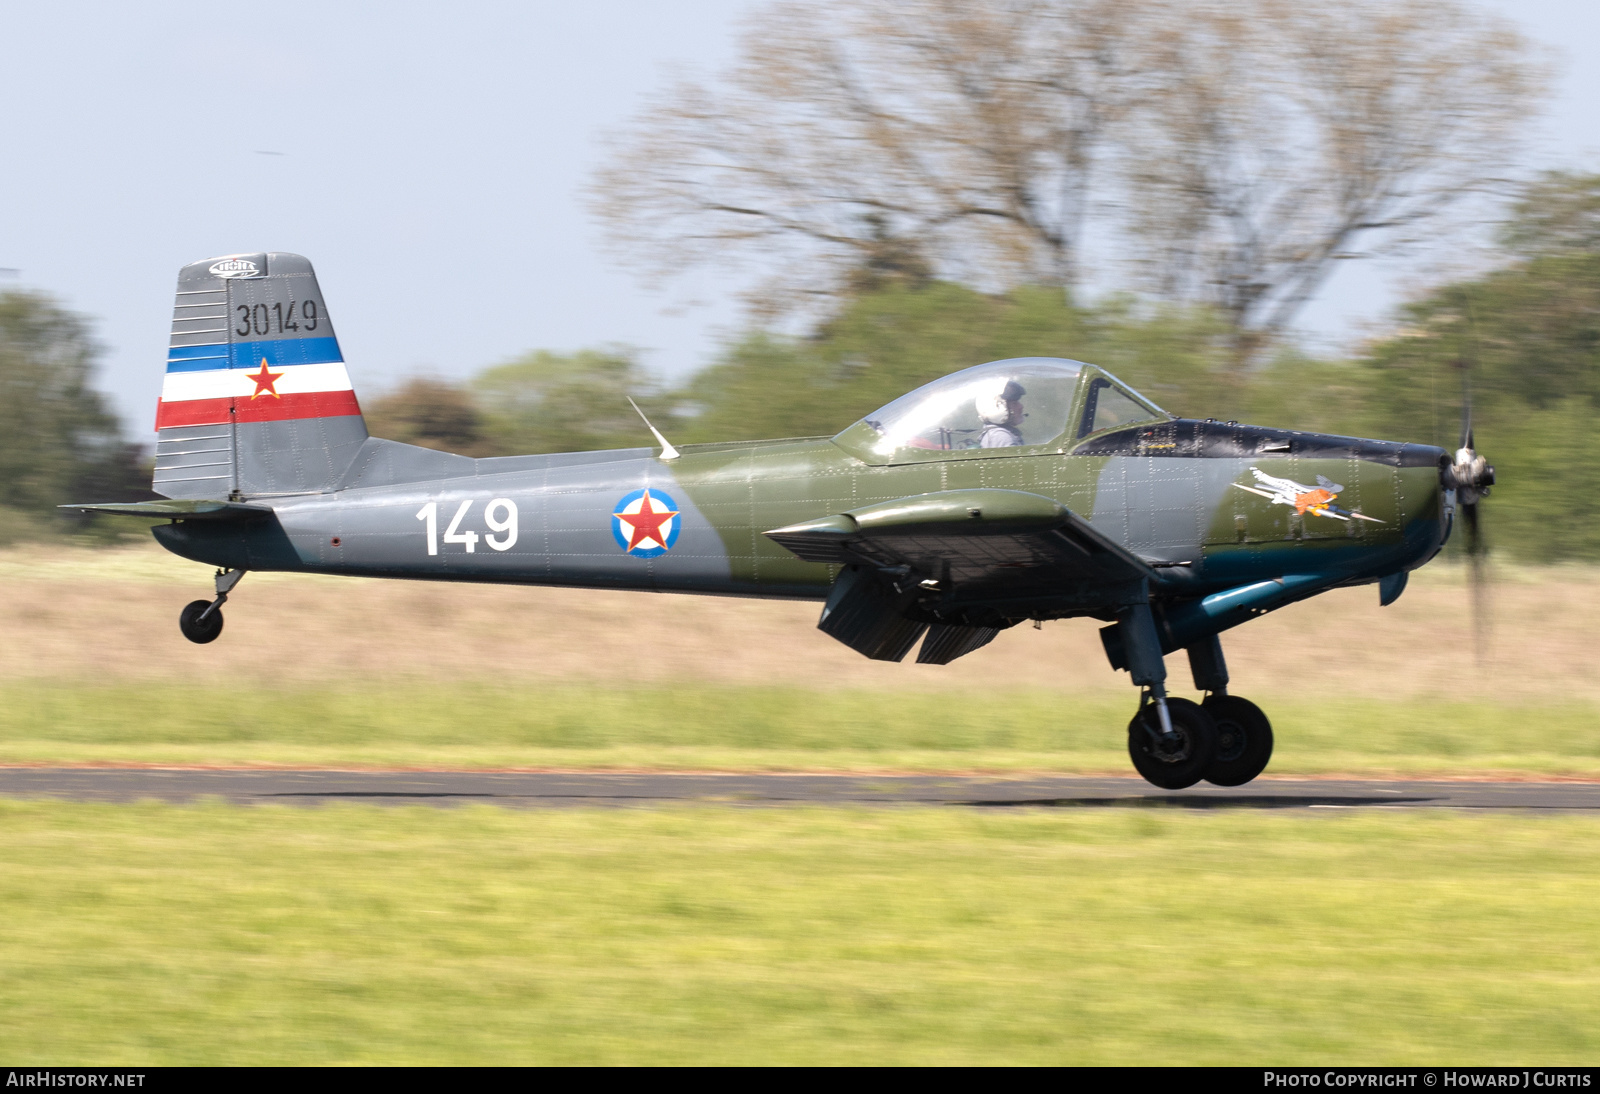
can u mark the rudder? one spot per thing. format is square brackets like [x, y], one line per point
[256, 399]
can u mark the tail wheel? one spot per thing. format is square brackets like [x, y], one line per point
[1244, 740]
[1181, 759]
[196, 629]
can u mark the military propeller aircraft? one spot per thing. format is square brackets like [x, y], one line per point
[1027, 489]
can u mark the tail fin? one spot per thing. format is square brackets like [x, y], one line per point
[256, 399]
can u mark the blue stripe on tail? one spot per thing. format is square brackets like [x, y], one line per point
[285, 351]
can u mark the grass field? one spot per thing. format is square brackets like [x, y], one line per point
[741, 727]
[207, 934]
[150, 934]
[341, 672]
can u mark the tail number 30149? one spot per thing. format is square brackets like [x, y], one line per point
[500, 515]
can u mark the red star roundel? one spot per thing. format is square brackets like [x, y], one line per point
[646, 523]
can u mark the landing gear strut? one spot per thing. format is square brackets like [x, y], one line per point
[201, 620]
[1171, 741]
[1175, 743]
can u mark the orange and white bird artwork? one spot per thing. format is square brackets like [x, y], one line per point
[1317, 500]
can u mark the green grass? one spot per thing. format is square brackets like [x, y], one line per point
[157, 934]
[709, 726]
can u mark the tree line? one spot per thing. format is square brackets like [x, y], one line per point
[1528, 330]
[1230, 153]
[902, 188]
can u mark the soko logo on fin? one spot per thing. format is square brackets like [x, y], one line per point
[234, 267]
[646, 523]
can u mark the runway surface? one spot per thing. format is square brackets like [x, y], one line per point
[556, 789]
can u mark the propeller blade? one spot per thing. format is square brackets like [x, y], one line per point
[1472, 476]
[1477, 580]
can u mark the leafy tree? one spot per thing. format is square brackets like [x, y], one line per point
[564, 402]
[1530, 337]
[883, 344]
[434, 414]
[59, 441]
[1531, 332]
[1558, 213]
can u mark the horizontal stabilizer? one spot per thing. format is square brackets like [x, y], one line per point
[179, 509]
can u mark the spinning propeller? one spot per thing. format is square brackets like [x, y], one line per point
[1471, 476]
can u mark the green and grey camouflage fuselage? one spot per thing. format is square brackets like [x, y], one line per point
[955, 513]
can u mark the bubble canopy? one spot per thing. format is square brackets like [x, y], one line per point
[1022, 401]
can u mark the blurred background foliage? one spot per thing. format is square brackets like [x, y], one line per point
[1528, 329]
[59, 440]
[905, 187]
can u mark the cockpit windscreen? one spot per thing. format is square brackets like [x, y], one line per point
[1003, 404]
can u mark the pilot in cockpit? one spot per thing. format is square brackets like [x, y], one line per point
[1001, 414]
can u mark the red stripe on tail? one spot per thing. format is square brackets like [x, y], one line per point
[282, 408]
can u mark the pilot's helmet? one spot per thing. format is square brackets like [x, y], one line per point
[994, 405]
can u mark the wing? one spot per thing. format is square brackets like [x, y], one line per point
[1329, 485]
[968, 562]
[969, 541]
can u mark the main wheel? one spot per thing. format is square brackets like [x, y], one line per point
[1180, 760]
[1244, 740]
[196, 629]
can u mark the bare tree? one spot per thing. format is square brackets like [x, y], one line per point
[1290, 133]
[1240, 147]
[958, 138]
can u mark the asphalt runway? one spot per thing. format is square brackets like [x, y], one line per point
[557, 789]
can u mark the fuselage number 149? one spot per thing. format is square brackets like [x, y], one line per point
[500, 515]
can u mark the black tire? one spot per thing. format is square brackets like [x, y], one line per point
[1179, 762]
[1244, 740]
[194, 628]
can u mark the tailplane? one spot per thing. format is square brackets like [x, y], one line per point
[256, 399]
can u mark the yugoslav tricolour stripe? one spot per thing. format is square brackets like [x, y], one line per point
[244, 395]
[238, 383]
[314, 404]
[284, 351]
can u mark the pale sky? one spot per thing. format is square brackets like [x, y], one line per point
[430, 162]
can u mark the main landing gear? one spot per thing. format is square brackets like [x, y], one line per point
[201, 620]
[1225, 740]
[1244, 739]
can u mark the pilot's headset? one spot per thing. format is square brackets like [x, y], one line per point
[993, 406]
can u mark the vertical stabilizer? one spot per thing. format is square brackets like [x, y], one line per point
[256, 399]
